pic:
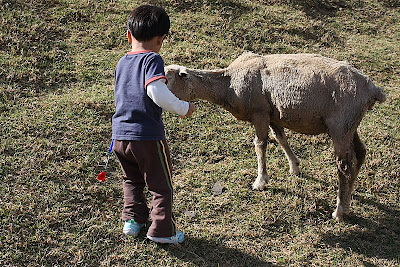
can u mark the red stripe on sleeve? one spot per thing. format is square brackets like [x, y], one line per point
[155, 79]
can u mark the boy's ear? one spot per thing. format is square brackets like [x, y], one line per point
[160, 39]
[129, 35]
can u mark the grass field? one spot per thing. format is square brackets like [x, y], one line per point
[57, 59]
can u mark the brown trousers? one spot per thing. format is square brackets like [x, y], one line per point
[147, 163]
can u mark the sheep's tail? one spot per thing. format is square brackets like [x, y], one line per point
[380, 96]
[377, 92]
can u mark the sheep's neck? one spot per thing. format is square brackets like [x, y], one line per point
[212, 86]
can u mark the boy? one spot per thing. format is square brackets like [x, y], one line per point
[140, 146]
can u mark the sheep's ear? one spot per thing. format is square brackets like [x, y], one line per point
[183, 72]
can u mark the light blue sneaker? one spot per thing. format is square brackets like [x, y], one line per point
[132, 228]
[176, 239]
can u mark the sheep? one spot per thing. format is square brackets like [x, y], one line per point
[306, 93]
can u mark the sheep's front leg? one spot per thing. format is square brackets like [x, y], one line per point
[280, 136]
[261, 125]
[262, 177]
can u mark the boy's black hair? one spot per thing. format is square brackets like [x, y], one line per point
[148, 21]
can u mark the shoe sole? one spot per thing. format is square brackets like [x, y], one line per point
[164, 240]
[131, 233]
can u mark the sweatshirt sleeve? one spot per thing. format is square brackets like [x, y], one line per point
[160, 94]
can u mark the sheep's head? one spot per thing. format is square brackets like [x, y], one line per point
[179, 82]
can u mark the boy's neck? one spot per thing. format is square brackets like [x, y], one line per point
[153, 45]
[143, 46]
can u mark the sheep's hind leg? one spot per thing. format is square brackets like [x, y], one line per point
[280, 136]
[348, 167]
[261, 125]
[360, 151]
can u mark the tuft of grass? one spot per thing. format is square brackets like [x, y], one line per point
[57, 59]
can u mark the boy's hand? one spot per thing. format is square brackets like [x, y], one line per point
[192, 108]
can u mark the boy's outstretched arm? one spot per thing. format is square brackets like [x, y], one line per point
[192, 108]
[165, 99]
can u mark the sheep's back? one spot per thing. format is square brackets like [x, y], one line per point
[305, 90]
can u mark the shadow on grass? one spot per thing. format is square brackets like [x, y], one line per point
[321, 8]
[226, 8]
[375, 237]
[202, 252]
[391, 3]
[372, 238]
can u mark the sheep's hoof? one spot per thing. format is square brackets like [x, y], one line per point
[259, 183]
[258, 186]
[339, 213]
[337, 217]
[295, 170]
[294, 167]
